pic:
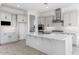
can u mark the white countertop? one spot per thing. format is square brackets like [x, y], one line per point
[57, 36]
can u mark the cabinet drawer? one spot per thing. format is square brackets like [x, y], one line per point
[6, 38]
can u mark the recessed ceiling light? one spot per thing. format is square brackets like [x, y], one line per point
[18, 5]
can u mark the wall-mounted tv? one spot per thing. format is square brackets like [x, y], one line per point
[5, 23]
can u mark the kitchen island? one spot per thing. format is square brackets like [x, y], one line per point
[51, 44]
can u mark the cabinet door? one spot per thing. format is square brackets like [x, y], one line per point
[21, 18]
[46, 45]
[51, 21]
[42, 20]
[8, 37]
[4, 38]
[5, 17]
[39, 20]
[47, 21]
[73, 18]
[74, 39]
[66, 19]
[12, 37]
[31, 41]
[13, 22]
[70, 18]
[28, 41]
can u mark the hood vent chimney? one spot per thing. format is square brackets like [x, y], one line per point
[58, 16]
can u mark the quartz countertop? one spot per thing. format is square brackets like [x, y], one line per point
[57, 36]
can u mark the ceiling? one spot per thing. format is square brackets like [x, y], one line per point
[38, 7]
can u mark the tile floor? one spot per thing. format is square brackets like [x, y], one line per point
[19, 48]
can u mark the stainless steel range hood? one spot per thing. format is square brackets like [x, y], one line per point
[58, 16]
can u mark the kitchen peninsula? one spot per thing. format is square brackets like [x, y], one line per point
[52, 44]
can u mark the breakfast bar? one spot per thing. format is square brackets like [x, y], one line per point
[51, 44]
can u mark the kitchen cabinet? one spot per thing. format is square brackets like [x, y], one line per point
[5, 16]
[30, 41]
[51, 45]
[14, 21]
[41, 20]
[13, 37]
[46, 20]
[70, 18]
[73, 17]
[34, 42]
[74, 39]
[21, 18]
[51, 18]
[66, 19]
[44, 44]
[8, 33]
[58, 13]
[8, 37]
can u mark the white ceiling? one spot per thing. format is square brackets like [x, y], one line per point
[38, 7]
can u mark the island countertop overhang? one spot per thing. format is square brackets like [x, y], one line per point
[51, 36]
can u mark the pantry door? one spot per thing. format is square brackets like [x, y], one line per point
[22, 31]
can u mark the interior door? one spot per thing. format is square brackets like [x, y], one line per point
[22, 30]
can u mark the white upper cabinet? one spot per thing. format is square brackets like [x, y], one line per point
[21, 18]
[66, 19]
[73, 18]
[46, 20]
[5, 16]
[41, 20]
[70, 18]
